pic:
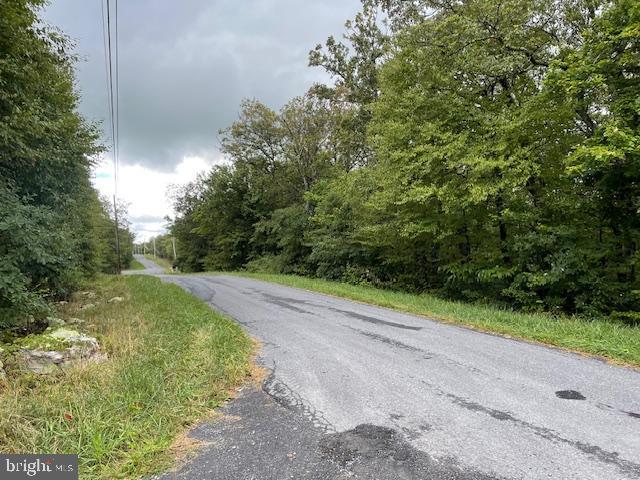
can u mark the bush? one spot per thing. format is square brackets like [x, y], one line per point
[267, 264]
[34, 259]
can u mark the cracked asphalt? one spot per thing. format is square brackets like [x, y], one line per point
[358, 391]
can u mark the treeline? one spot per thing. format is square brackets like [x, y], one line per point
[163, 247]
[485, 150]
[54, 228]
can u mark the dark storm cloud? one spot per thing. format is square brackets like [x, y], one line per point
[185, 66]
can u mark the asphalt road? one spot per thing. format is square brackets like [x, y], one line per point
[151, 268]
[362, 383]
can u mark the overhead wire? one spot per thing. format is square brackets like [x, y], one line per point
[112, 97]
[113, 102]
[105, 35]
[117, 93]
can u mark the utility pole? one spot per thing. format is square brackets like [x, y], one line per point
[154, 247]
[175, 255]
[115, 214]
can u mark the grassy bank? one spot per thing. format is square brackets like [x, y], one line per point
[615, 341]
[163, 262]
[171, 361]
[136, 265]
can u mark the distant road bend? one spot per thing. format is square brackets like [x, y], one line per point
[358, 391]
[151, 268]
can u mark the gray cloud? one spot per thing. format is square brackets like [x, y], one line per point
[146, 219]
[185, 66]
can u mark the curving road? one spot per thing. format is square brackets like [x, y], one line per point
[373, 393]
[151, 268]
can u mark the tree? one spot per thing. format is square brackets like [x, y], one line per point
[484, 150]
[354, 67]
[257, 206]
[601, 81]
[50, 217]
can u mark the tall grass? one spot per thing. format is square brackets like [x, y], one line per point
[171, 361]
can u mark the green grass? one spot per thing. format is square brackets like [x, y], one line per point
[163, 262]
[171, 361]
[136, 265]
[614, 341]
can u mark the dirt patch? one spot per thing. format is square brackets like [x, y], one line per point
[257, 373]
[184, 447]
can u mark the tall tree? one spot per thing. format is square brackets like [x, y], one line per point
[354, 67]
[50, 215]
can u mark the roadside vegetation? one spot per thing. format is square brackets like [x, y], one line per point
[613, 340]
[163, 262]
[55, 231]
[171, 360]
[481, 151]
[136, 265]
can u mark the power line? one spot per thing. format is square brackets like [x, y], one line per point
[113, 108]
[107, 61]
[113, 103]
[117, 113]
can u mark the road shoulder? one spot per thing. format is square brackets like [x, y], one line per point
[262, 436]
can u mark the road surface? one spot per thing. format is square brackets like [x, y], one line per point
[359, 384]
[151, 268]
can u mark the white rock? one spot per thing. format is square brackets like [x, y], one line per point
[69, 335]
[116, 300]
[82, 348]
[42, 362]
[55, 322]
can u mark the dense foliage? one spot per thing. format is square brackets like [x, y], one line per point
[161, 246]
[484, 150]
[54, 229]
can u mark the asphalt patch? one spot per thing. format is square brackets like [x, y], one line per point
[372, 451]
[257, 438]
[375, 320]
[291, 304]
[288, 303]
[613, 458]
[570, 395]
[394, 343]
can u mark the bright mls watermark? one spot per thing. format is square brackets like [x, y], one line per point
[48, 467]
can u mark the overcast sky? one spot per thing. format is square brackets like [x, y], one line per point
[184, 68]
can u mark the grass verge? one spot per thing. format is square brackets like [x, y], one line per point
[136, 265]
[163, 262]
[616, 342]
[171, 361]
